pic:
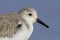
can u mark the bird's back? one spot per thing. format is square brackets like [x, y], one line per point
[8, 24]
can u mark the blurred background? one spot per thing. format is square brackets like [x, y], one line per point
[48, 11]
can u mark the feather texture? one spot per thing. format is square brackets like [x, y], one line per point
[8, 24]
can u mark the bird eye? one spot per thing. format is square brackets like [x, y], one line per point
[30, 14]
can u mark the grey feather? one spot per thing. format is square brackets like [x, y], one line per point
[8, 24]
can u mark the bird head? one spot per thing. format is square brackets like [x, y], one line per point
[30, 15]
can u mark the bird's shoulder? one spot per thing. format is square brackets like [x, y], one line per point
[9, 23]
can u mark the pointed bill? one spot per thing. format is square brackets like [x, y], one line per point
[42, 23]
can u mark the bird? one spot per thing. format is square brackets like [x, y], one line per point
[19, 25]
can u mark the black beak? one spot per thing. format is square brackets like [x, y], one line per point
[42, 23]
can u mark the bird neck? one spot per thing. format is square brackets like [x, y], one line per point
[29, 27]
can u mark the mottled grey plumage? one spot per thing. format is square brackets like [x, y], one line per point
[8, 24]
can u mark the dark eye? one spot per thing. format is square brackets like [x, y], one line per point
[30, 14]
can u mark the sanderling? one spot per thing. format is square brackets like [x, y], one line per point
[18, 26]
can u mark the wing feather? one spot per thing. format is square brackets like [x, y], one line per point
[8, 24]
